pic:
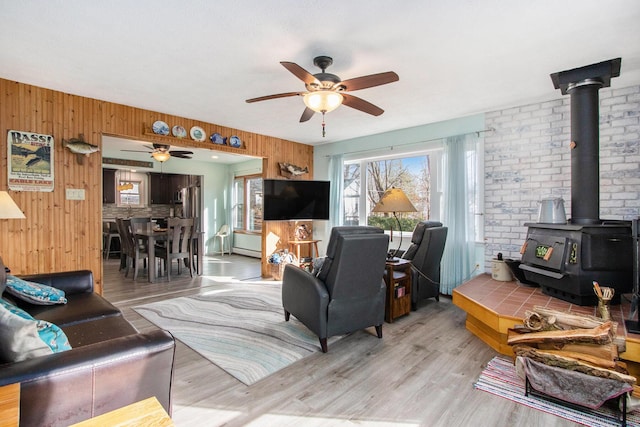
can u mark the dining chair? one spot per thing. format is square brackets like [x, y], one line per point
[139, 223]
[136, 251]
[180, 232]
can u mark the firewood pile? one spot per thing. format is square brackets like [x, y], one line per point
[581, 343]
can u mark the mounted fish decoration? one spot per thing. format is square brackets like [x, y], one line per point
[80, 147]
[289, 170]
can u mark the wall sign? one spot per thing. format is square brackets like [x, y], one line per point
[30, 158]
[125, 162]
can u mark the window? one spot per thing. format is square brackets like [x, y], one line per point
[247, 209]
[351, 193]
[131, 189]
[129, 193]
[413, 175]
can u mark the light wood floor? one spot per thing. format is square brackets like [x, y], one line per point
[420, 374]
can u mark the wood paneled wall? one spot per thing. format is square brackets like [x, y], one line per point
[60, 234]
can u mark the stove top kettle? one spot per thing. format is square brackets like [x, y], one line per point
[551, 211]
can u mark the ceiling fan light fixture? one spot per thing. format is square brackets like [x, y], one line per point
[161, 156]
[323, 101]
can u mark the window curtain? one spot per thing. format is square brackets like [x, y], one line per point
[460, 208]
[336, 176]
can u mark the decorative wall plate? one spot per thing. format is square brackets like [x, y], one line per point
[216, 138]
[197, 134]
[235, 141]
[160, 127]
[179, 131]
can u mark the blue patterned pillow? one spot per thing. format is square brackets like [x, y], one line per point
[22, 337]
[35, 293]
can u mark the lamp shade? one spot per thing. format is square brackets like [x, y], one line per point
[323, 101]
[161, 156]
[394, 200]
[8, 208]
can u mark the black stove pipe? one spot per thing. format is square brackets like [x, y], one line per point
[583, 85]
[585, 147]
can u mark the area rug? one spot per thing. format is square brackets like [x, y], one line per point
[500, 378]
[239, 327]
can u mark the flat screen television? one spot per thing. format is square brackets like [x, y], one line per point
[295, 200]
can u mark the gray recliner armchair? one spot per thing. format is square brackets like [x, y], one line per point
[348, 292]
[425, 253]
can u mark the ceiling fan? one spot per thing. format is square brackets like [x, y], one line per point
[326, 92]
[161, 152]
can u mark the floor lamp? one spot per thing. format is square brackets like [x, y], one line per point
[394, 200]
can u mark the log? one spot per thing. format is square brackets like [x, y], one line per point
[594, 360]
[564, 320]
[598, 335]
[549, 319]
[572, 364]
[604, 351]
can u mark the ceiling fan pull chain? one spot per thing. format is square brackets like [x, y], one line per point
[323, 132]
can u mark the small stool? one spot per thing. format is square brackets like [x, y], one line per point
[108, 234]
[222, 234]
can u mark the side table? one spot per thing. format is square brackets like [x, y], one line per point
[294, 246]
[398, 279]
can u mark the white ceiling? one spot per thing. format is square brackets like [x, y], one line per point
[201, 59]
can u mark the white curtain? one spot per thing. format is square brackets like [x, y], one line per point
[336, 176]
[461, 205]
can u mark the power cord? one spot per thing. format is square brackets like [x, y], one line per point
[414, 268]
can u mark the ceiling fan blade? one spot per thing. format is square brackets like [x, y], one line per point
[180, 152]
[361, 104]
[369, 81]
[278, 95]
[300, 73]
[306, 114]
[181, 155]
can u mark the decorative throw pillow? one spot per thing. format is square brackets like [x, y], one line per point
[22, 337]
[35, 293]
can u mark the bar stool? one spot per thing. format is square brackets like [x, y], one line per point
[109, 232]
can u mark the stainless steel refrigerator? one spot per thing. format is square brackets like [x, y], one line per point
[191, 198]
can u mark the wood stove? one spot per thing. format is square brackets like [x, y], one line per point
[565, 259]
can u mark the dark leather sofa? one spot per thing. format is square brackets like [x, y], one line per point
[110, 365]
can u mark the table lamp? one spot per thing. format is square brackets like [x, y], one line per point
[394, 200]
[8, 208]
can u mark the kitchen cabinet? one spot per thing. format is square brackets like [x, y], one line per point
[108, 185]
[161, 190]
[164, 187]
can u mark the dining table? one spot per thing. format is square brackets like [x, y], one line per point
[150, 236]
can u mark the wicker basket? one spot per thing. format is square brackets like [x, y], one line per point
[277, 270]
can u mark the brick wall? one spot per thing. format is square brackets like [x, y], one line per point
[527, 158]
